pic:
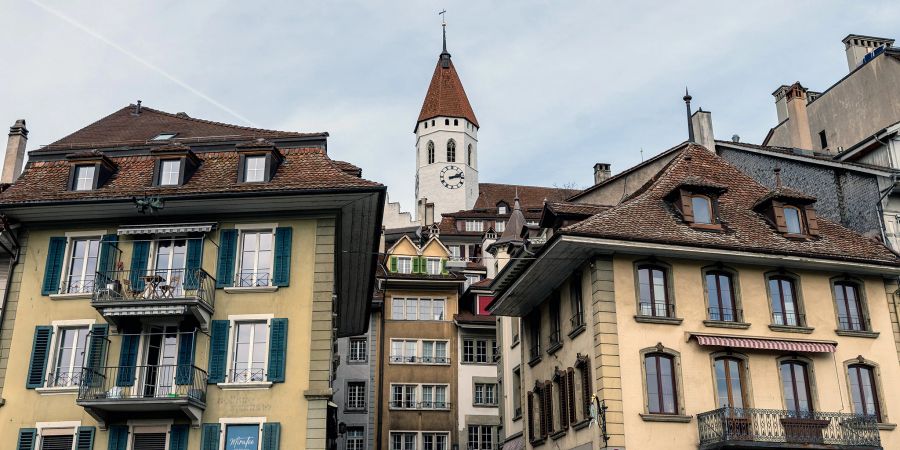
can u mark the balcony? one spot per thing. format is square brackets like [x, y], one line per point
[122, 297]
[143, 392]
[745, 428]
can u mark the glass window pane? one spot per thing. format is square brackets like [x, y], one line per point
[702, 213]
[792, 220]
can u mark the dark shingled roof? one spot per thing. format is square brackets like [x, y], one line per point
[647, 217]
[446, 96]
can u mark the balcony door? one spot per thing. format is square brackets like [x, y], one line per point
[160, 359]
[169, 266]
[795, 381]
[730, 382]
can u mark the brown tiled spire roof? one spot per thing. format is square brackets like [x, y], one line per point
[446, 96]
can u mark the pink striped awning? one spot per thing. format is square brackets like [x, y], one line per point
[766, 344]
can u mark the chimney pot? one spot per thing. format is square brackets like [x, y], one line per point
[858, 46]
[15, 152]
[602, 172]
[799, 118]
[701, 124]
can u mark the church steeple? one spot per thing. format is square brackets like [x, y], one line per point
[444, 26]
[446, 96]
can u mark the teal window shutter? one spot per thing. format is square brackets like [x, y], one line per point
[84, 440]
[109, 253]
[27, 438]
[277, 349]
[227, 250]
[96, 355]
[40, 350]
[282, 269]
[178, 437]
[209, 437]
[56, 252]
[192, 263]
[218, 350]
[118, 437]
[184, 372]
[271, 436]
[128, 359]
[139, 257]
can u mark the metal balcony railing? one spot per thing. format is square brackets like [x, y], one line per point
[854, 323]
[791, 319]
[155, 285]
[395, 359]
[725, 314]
[728, 426]
[657, 309]
[77, 285]
[394, 404]
[124, 383]
[253, 278]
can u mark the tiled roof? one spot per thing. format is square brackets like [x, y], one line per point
[569, 208]
[485, 283]
[302, 169]
[489, 194]
[446, 96]
[124, 127]
[647, 217]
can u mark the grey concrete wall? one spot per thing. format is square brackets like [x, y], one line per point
[347, 372]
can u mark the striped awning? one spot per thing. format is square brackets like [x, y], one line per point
[173, 228]
[766, 344]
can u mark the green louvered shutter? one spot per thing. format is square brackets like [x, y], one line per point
[178, 437]
[85, 438]
[227, 250]
[118, 437]
[53, 269]
[282, 269]
[109, 253]
[27, 438]
[209, 438]
[271, 436]
[218, 350]
[40, 350]
[128, 359]
[393, 264]
[184, 373]
[277, 350]
[192, 263]
[96, 355]
[444, 267]
[139, 257]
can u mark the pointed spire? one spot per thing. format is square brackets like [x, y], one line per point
[446, 96]
[444, 26]
[687, 103]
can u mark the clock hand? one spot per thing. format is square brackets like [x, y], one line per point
[459, 175]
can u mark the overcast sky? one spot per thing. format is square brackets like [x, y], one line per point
[556, 86]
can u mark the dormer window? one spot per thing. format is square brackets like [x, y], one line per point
[702, 208]
[793, 220]
[169, 172]
[163, 136]
[502, 208]
[89, 170]
[259, 161]
[175, 163]
[790, 212]
[254, 168]
[84, 177]
[697, 201]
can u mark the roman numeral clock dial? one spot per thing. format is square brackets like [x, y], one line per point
[452, 177]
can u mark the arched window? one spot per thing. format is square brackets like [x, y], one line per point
[451, 151]
[430, 152]
[469, 155]
[793, 220]
[850, 311]
[795, 384]
[730, 390]
[455, 122]
[720, 295]
[432, 122]
[660, 372]
[702, 208]
[785, 305]
[426, 124]
[863, 391]
[653, 292]
[446, 121]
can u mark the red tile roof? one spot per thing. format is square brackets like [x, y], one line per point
[446, 96]
[647, 217]
[489, 194]
[578, 209]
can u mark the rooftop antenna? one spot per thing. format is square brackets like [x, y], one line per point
[687, 104]
[642, 154]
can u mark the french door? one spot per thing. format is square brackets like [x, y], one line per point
[169, 265]
[160, 358]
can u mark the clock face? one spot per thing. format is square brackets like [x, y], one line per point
[452, 177]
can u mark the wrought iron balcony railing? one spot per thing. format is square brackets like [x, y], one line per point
[725, 314]
[155, 285]
[137, 383]
[854, 323]
[789, 319]
[725, 427]
[657, 309]
[395, 359]
[403, 404]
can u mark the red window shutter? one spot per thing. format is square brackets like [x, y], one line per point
[778, 215]
[548, 398]
[563, 402]
[812, 223]
[530, 404]
[687, 209]
[570, 384]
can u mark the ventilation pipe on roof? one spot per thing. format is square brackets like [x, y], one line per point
[602, 172]
[701, 124]
[15, 152]
[137, 108]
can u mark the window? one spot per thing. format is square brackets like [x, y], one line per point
[784, 302]
[863, 390]
[485, 394]
[500, 226]
[471, 278]
[358, 350]
[823, 139]
[502, 208]
[84, 178]
[555, 328]
[404, 264]
[430, 150]
[250, 349]
[417, 309]
[254, 168]
[403, 396]
[474, 225]
[403, 351]
[455, 252]
[451, 151]
[517, 392]
[583, 364]
[653, 290]
[169, 170]
[435, 441]
[154, 437]
[70, 350]
[455, 122]
[169, 263]
[481, 437]
[850, 311]
[434, 352]
[163, 136]
[433, 266]
[515, 325]
[793, 220]
[434, 397]
[720, 295]
[575, 300]
[57, 439]
[446, 121]
[469, 158]
[660, 372]
[356, 395]
[702, 208]
[82, 262]
[729, 382]
[356, 439]
[795, 385]
[534, 337]
[475, 351]
[244, 434]
[256, 259]
[403, 441]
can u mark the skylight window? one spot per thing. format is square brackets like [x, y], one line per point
[163, 136]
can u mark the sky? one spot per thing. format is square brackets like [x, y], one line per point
[556, 86]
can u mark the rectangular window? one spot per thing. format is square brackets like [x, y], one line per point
[433, 266]
[403, 441]
[71, 344]
[84, 178]
[358, 350]
[154, 437]
[475, 351]
[455, 252]
[57, 438]
[555, 328]
[403, 351]
[435, 441]
[434, 352]
[255, 267]
[577, 319]
[474, 225]
[485, 394]
[356, 395]
[516, 326]
[397, 305]
[403, 396]
[243, 436]
[481, 437]
[249, 354]
[169, 170]
[471, 278]
[254, 169]
[82, 265]
[823, 139]
[501, 226]
[434, 397]
[356, 439]
[404, 264]
[417, 309]
[517, 393]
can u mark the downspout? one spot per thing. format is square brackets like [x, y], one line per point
[9, 276]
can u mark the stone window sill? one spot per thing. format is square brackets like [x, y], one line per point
[245, 386]
[578, 330]
[57, 390]
[659, 320]
[77, 296]
[858, 333]
[886, 426]
[666, 418]
[534, 361]
[250, 289]
[579, 425]
[725, 324]
[355, 411]
[791, 329]
[537, 442]
[554, 348]
[558, 434]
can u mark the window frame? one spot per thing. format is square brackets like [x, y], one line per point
[799, 308]
[576, 303]
[479, 442]
[404, 393]
[233, 320]
[65, 278]
[710, 210]
[245, 168]
[451, 151]
[486, 388]
[53, 350]
[718, 271]
[224, 422]
[434, 404]
[670, 311]
[800, 220]
[53, 368]
[352, 397]
[406, 260]
[350, 442]
[76, 171]
[432, 260]
[239, 259]
[861, 304]
[809, 372]
[743, 375]
[161, 172]
[365, 350]
[875, 369]
[679, 414]
[73, 425]
[429, 151]
[476, 340]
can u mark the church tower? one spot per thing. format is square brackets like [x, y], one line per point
[446, 146]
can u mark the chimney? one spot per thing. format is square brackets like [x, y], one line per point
[781, 102]
[602, 172]
[799, 124]
[701, 124]
[15, 152]
[858, 46]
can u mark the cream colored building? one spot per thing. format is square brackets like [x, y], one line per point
[179, 285]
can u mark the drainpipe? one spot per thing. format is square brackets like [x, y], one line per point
[9, 276]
